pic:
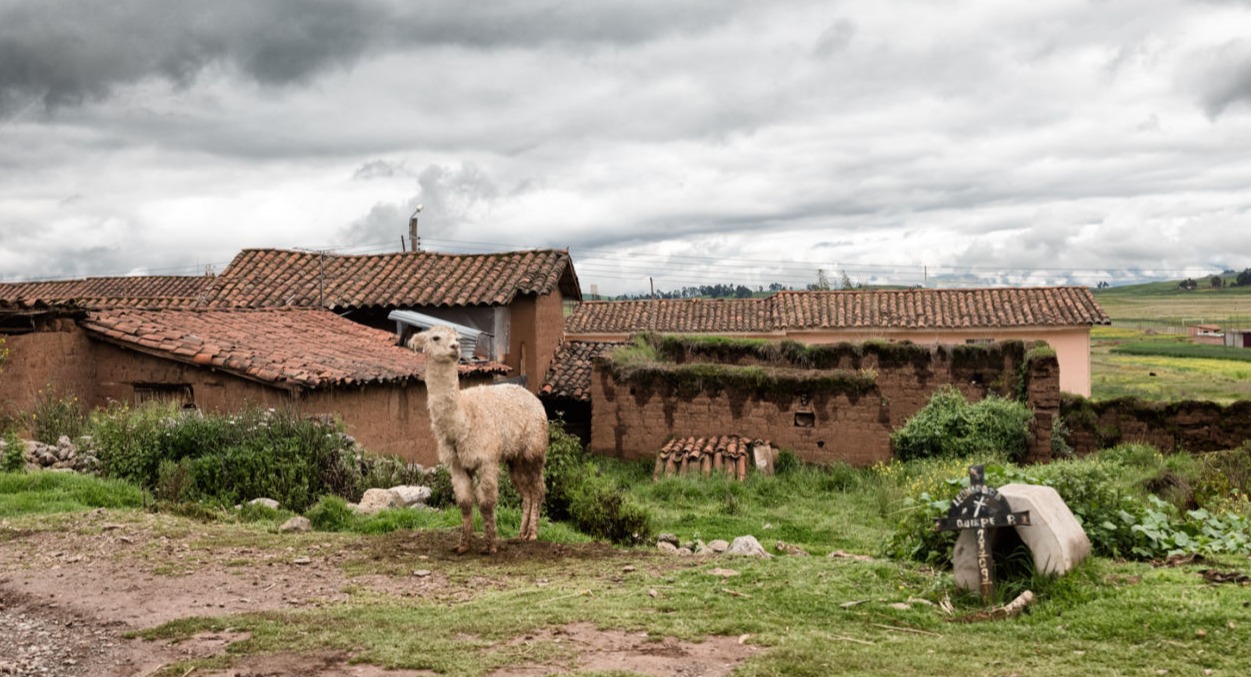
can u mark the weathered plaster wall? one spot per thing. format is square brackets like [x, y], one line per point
[632, 422]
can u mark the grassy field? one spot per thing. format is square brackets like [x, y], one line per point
[1163, 367]
[1164, 303]
[1147, 353]
[814, 615]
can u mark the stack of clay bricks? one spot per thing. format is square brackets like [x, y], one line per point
[723, 454]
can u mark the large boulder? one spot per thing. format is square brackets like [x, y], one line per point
[749, 546]
[1055, 540]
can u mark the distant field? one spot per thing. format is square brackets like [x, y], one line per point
[1161, 367]
[1164, 303]
[1179, 349]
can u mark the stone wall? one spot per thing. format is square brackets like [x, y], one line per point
[1173, 426]
[384, 418]
[632, 420]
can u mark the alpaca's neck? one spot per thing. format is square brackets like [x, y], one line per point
[443, 399]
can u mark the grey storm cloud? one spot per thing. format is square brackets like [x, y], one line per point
[69, 51]
[1228, 80]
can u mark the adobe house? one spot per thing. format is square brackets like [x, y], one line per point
[1060, 316]
[222, 360]
[516, 298]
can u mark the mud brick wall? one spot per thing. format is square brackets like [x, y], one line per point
[633, 421]
[1192, 426]
[386, 419]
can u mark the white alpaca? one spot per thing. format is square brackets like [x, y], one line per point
[477, 429]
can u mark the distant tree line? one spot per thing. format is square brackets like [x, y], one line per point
[1242, 279]
[715, 291]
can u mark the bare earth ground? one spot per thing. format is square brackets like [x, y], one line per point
[69, 596]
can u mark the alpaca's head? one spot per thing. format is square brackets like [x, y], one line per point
[438, 343]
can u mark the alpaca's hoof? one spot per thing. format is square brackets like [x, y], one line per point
[490, 549]
[460, 549]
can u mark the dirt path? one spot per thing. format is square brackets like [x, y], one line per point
[69, 595]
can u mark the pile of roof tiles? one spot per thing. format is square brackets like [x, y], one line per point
[729, 455]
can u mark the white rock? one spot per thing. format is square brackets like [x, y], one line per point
[297, 524]
[718, 545]
[267, 502]
[412, 495]
[666, 546]
[749, 546]
[377, 500]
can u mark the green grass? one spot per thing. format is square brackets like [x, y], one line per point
[810, 615]
[1164, 303]
[1184, 350]
[1128, 362]
[41, 493]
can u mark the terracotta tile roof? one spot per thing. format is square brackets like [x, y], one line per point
[939, 308]
[856, 309]
[671, 316]
[274, 278]
[570, 372]
[148, 291]
[294, 348]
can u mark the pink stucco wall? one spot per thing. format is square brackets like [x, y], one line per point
[1072, 344]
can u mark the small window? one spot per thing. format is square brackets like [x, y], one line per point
[979, 341]
[805, 419]
[178, 393]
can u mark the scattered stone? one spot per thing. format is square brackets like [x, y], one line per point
[790, 549]
[718, 545]
[628, 569]
[669, 538]
[843, 554]
[901, 606]
[421, 573]
[685, 551]
[266, 502]
[724, 573]
[297, 524]
[412, 495]
[377, 500]
[749, 546]
[666, 546]
[302, 561]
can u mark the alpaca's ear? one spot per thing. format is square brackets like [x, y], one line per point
[417, 341]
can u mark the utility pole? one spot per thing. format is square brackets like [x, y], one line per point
[413, 240]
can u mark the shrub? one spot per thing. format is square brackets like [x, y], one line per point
[948, 426]
[596, 504]
[229, 459]
[1104, 492]
[56, 416]
[14, 457]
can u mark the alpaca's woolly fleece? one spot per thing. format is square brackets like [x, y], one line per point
[479, 428]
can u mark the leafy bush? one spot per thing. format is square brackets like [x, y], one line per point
[1104, 492]
[14, 457]
[948, 426]
[596, 504]
[229, 459]
[56, 416]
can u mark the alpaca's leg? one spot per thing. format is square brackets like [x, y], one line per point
[521, 483]
[462, 485]
[488, 495]
[527, 476]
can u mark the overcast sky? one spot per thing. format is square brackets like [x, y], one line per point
[690, 142]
